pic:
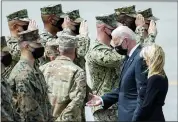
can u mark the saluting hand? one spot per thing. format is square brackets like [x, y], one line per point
[139, 20]
[32, 25]
[67, 22]
[152, 28]
[83, 29]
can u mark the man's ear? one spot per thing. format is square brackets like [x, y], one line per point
[51, 20]
[25, 45]
[14, 26]
[52, 58]
[107, 30]
[125, 42]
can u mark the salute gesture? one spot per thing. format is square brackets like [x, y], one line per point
[83, 28]
[32, 25]
[139, 20]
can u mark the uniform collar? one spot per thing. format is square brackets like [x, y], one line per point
[63, 58]
[45, 31]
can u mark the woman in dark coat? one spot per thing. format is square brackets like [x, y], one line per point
[157, 85]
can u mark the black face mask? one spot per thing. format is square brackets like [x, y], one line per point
[77, 27]
[25, 27]
[6, 59]
[38, 52]
[58, 24]
[120, 50]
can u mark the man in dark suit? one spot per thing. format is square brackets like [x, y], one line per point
[133, 77]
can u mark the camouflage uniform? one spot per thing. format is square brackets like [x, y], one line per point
[83, 42]
[7, 111]
[50, 10]
[12, 42]
[130, 11]
[50, 51]
[67, 85]
[29, 87]
[140, 30]
[103, 62]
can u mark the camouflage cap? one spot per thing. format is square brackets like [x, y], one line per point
[51, 50]
[18, 15]
[74, 15]
[53, 9]
[129, 10]
[4, 44]
[109, 19]
[67, 41]
[29, 36]
[147, 13]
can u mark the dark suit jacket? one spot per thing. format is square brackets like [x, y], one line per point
[133, 77]
[151, 109]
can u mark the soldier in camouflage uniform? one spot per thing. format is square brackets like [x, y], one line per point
[66, 81]
[102, 62]
[128, 17]
[30, 91]
[78, 27]
[71, 26]
[7, 111]
[17, 22]
[146, 27]
[51, 52]
[52, 17]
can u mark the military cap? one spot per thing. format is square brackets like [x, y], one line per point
[18, 15]
[74, 15]
[51, 50]
[109, 19]
[129, 10]
[4, 44]
[67, 41]
[53, 9]
[147, 13]
[29, 36]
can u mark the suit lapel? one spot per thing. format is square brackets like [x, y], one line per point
[125, 60]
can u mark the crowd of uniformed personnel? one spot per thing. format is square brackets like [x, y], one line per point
[47, 75]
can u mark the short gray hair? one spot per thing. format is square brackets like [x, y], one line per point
[124, 31]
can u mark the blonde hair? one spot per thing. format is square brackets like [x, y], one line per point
[155, 56]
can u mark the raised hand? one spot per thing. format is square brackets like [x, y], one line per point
[83, 28]
[140, 20]
[32, 25]
[152, 28]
